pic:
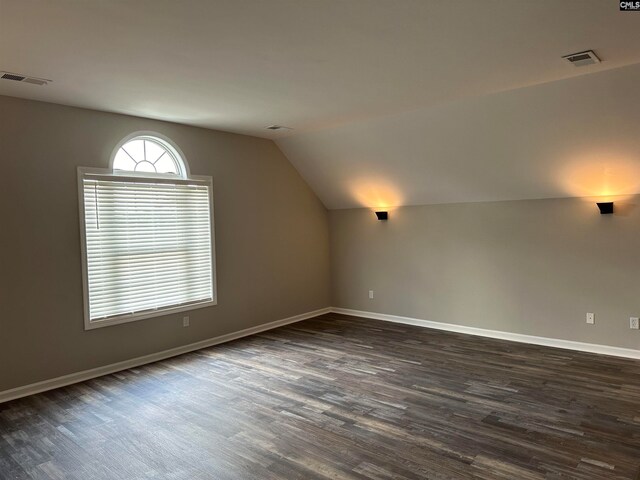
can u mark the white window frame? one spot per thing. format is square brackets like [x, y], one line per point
[185, 178]
[159, 138]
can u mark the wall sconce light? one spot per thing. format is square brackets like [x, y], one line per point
[605, 207]
[382, 215]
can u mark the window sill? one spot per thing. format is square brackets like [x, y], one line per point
[134, 317]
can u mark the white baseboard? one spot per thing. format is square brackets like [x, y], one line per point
[514, 337]
[65, 380]
[154, 357]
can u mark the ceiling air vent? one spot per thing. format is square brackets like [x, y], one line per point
[16, 77]
[12, 76]
[582, 59]
[278, 127]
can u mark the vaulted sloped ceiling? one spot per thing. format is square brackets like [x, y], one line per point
[574, 137]
[407, 101]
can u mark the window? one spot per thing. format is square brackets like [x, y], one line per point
[147, 154]
[147, 235]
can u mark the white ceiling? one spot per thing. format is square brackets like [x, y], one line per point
[344, 74]
[574, 137]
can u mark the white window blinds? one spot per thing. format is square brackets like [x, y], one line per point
[148, 244]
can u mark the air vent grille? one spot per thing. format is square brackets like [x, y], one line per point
[16, 77]
[11, 76]
[582, 59]
[578, 58]
[278, 127]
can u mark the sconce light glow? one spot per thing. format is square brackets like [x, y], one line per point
[589, 175]
[377, 194]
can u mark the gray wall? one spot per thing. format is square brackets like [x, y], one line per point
[272, 240]
[531, 267]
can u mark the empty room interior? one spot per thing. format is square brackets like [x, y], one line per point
[319, 239]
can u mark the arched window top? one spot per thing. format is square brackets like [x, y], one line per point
[149, 154]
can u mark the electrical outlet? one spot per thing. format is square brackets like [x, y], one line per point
[185, 321]
[370, 293]
[591, 318]
[634, 323]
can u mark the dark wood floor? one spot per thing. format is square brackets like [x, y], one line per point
[338, 398]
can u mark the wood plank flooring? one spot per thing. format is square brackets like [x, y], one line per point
[338, 398]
